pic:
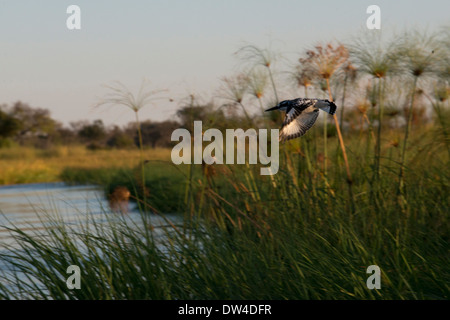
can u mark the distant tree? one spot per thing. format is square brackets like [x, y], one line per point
[156, 134]
[76, 126]
[9, 125]
[118, 138]
[92, 132]
[151, 133]
[192, 111]
[34, 121]
[189, 114]
[166, 128]
[64, 136]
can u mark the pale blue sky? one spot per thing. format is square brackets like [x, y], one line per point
[181, 45]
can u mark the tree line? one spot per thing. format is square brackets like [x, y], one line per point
[21, 124]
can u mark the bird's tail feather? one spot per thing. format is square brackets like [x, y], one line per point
[328, 106]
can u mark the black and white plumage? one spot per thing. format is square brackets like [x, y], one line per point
[301, 114]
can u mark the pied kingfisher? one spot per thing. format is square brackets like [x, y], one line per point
[304, 111]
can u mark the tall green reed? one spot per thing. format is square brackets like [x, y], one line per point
[421, 54]
[326, 60]
[119, 94]
[378, 59]
[258, 240]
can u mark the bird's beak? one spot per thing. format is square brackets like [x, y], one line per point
[274, 108]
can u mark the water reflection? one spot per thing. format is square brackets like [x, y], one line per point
[33, 207]
[29, 206]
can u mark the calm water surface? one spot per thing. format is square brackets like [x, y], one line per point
[30, 207]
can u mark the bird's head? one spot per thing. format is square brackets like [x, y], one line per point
[281, 106]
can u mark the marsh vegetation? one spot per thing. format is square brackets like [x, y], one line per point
[370, 187]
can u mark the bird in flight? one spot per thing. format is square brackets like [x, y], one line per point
[301, 114]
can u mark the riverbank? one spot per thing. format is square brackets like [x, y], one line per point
[32, 165]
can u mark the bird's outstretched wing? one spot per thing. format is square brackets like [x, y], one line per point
[297, 122]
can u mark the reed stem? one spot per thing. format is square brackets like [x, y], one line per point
[344, 152]
[405, 141]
